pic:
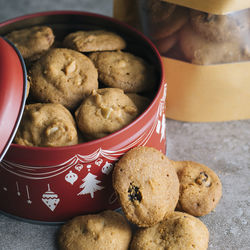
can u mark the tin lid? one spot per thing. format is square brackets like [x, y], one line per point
[13, 83]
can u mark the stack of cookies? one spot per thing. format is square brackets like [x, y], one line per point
[162, 22]
[195, 36]
[213, 39]
[81, 89]
[159, 197]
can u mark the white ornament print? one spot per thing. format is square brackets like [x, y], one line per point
[50, 199]
[107, 168]
[71, 177]
[78, 161]
[29, 201]
[90, 185]
[98, 162]
[79, 167]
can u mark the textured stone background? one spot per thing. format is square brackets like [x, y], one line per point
[225, 147]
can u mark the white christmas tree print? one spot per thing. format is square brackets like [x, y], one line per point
[90, 185]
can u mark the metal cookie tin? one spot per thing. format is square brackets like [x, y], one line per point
[56, 184]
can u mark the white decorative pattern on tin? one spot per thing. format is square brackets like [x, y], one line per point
[77, 162]
[71, 177]
[50, 199]
[90, 185]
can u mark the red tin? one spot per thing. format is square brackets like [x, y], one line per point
[56, 184]
[12, 93]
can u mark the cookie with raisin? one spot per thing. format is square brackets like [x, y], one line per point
[146, 184]
[200, 188]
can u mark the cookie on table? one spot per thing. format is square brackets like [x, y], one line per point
[124, 70]
[199, 50]
[146, 184]
[46, 125]
[105, 230]
[105, 111]
[94, 40]
[200, 188]
[178, 165]
[32, 42]
[177, 231]
[221, 28]
[63, 76]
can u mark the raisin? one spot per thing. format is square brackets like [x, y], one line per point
[203, 178]
[134, 193]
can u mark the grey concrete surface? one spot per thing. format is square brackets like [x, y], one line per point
[225, 147]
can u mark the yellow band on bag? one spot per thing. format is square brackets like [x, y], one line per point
[198, 93]
[218, 7]
[126, 10]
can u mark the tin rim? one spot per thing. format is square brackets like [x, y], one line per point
[11, 130]
[118, 23]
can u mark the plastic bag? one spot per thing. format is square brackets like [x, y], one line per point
[196, 36]
[205, 48]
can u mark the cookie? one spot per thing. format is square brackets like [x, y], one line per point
[32, 42]
[106, 230]
[46, 125]
[124, 70]
[221, 28]
[170, 25]
[141, 102]
[94, 40]
[27, 88]
[63, 76]
[175, 53]
[105, 111]
[178, 165]
[157, 11]
[146, 184]
[199, 50]
[200, 188]
[177, 231]
[165, 44]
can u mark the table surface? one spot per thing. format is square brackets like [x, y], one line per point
[223, 146]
